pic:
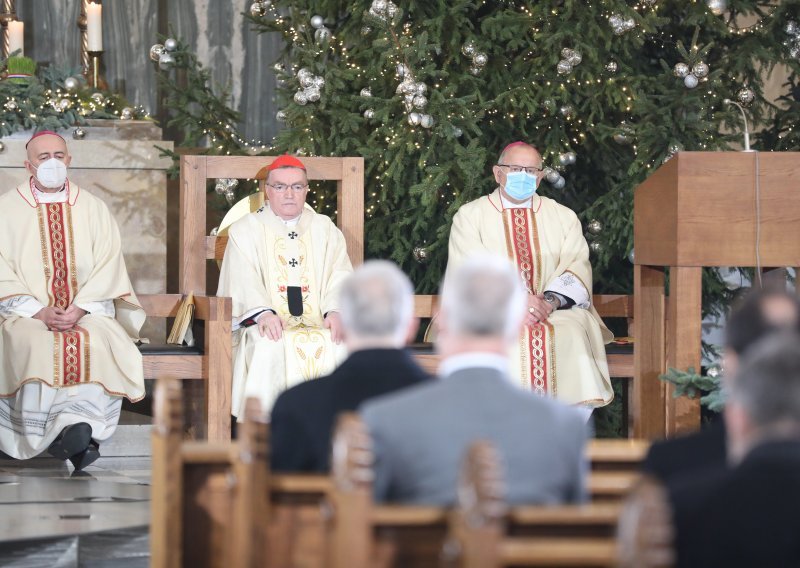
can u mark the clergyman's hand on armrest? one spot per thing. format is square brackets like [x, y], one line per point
[270, 325]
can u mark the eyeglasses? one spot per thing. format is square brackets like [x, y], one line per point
[281, 187]
[516, 169]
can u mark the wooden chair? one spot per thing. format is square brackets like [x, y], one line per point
[615, 467]
[208, 499]
[210, 361]
[196, 248]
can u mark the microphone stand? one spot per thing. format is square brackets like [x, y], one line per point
[746, 129]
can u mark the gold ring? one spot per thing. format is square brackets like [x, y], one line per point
[532, 310]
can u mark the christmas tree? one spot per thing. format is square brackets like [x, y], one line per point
[430, 92]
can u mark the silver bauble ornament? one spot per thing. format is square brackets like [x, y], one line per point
[126, 113]
[414, 118]
[794, 52]
[480, 59]
[64, 104]
[792, 28]
[71, 84]
[402, 70]
[475, 70]
[317, 22]
[420, 101]
[594, 226]
[563, 159]
[566, 111]
[307, 81]
[171, 44]
[564, 67]
[674, 148]
[98, 98]
[312, 94]
[575, 58]
[258, 9]
[2, 147]
[392, 11]
[166, 61]
[379, 6]
[649, 2]
[322, 36]
[714, 371]
[560, 183]
[421, 88]
[552, 175]
[79, 133]
[408, 100]
[420, 254]
[717, 7]
[426, 121]
[300, 98]
[690, 81]
[700, 69]
[631, 256]
[625, 134]
[156, 51]
[745, 96]
[408, 86]
[365, 92]
[595, 247]
[366, 30]
[457, 132]
[319, 82]
[612, 66]
[469, 48]
[566, 53]
[280, 116]
[681, 70]
[304, 72]
[369, 113]
[11, 105]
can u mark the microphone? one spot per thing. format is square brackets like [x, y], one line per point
[746, 130]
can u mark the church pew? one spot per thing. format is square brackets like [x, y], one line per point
[209, 499]
[210, 363]
[368, 534]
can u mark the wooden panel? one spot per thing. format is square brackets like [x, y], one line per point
[604, 485]
[160, 305]
[647, 408]
[219, 385]
[402, 515]
[655, 212]
[621, 365]
[350, 207]
[613, 306]
[617, 451]
[425, 306]
[248, 167]
[192, 267]
[565, 514]
[584, 552]
[215, 247]
[181, 366]
[684, 344]
[301, 483]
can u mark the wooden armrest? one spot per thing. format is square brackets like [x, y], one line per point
[558, 552]
[617, 451]
[592, 513]
[204, 452]
[297, 483]
[215, 247]
[613, 306]
[207, 308]
[426, 306]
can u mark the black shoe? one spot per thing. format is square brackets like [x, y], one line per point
[87, 456]
[72, 440]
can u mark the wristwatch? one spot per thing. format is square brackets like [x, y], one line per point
[553, 300]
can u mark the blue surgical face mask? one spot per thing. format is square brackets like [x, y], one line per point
[520, 185]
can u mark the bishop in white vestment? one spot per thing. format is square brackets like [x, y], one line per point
[68, 315]
[560, 351]
[283, 267]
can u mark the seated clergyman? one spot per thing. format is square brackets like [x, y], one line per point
[283, 267]
[68, 315]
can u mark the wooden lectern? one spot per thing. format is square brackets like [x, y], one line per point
[700, 209]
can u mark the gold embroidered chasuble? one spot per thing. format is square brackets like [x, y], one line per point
[564, 356]
[264, 260]
[62, 254]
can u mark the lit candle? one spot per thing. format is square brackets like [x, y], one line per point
[94, 27]
[16, 37]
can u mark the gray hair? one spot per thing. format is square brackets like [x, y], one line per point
[377, 302]
[484, 297]
[767, 384]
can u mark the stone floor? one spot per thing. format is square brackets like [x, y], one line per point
[52, 517]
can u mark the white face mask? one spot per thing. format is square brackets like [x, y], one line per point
[51, 173]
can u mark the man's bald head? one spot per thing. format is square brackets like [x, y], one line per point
[514, 156]
[519, 151]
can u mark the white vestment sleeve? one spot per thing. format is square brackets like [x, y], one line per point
[568, 285]
[237, 322]
[20, 306]
[99, 308]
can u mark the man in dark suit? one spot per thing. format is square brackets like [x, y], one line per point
[377, 311]
[761, 313]
[747, 515]
[420, 435]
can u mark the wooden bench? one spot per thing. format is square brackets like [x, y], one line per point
[209, 362]
[208, 498]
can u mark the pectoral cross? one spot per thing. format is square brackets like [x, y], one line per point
[293, 263]
[292, 235]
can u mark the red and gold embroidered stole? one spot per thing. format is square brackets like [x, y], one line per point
[71, 348]
[537, 345]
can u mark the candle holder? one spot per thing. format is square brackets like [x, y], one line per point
[8, 14]
[93, 74]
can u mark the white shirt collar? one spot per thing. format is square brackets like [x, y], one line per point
[471, 360]
[59, 196]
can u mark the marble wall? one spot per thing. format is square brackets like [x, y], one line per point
[215, 29]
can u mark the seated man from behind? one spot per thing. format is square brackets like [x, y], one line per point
[282, 268]
[761, 313]
[421, 435]
[68, 315]
[377, 309]
[747, 516]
